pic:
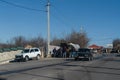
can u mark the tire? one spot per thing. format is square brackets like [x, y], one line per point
[89, 58]
[17, 60]
[26, 58]
[75, 59]
[38, 57]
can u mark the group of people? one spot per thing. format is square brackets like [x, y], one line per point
[63, 52]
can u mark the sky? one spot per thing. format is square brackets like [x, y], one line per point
[100, 19]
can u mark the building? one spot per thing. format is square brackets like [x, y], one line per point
[96, 48]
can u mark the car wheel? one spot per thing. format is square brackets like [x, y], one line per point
[38, 57]
[26, 58]
[89, 58]
[75, 59]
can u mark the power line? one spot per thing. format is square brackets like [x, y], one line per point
[42, 1]
[62, 18]
[20, 6]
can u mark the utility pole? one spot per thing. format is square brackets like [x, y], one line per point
[81, 29]
[48, 29]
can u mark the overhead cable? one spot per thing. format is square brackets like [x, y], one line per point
[60, 16]
[20, 6]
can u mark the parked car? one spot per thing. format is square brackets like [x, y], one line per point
[114, 51]
[28, 54]
[84, 53]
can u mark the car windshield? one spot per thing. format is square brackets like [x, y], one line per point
[84, 50]
[25, 51]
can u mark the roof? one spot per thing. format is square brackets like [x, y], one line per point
[95, 47]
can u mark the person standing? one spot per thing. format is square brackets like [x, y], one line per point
[54, 52]
[64, 52]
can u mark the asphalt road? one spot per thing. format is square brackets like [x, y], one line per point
[102, 68]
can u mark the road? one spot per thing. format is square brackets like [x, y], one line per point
[103, 68]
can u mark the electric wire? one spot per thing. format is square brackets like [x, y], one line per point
[20, 6]
[42, 2]
[60, 17]
[63, 21]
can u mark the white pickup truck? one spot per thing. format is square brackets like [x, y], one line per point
[28, 54]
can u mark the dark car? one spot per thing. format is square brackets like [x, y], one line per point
[84, 53]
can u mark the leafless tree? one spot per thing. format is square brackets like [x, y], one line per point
[19, 41]
[37, 42]
[78, 38]
[74, 37]
[116, 44]
[56, 41]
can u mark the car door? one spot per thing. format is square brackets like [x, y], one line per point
[37, 52]
[32, 53]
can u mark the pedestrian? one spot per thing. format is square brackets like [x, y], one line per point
[64, 52]
[54, 52]
[72, 51]
[61, 52]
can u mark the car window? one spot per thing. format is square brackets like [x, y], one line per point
[25, 51]
[84, 50]
[36, 50]
[32, 50]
